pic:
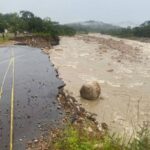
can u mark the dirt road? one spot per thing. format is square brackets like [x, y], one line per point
[28, 91]
[122, 67]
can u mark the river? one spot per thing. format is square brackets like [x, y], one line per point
[120, 66]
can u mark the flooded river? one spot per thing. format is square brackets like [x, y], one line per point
[28, 107]
[122, 67]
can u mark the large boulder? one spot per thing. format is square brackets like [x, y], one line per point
[90, 91]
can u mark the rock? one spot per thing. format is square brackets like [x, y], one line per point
[110, 70]
[58, 107]
[29, 144]
[89, 129]
[104, 126]
[36, 141]
[20, 140]
[90, 91]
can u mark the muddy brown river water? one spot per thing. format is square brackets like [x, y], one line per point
[122, 67]
[32, 108]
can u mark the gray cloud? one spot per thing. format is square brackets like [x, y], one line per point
[110, 11]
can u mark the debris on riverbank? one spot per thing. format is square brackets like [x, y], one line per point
[76, 116]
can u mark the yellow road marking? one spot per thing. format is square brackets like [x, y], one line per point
[12, 105]
[4, 78]
[11, 62]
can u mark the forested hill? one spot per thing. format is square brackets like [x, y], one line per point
[142, 30]
[27, 22]
[92, 26]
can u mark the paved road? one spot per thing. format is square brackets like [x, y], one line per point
[28, 90]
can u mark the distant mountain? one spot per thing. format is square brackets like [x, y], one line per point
[146, 23]
[92, 23]
[92, 26]
[126, 24]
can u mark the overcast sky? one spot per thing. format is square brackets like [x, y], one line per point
[64, 11]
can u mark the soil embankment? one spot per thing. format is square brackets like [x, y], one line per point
[38, 41]
[121, 67]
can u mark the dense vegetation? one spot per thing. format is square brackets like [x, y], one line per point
[99, 27]
[27, 22]
[142, 31]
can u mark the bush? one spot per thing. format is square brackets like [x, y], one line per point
[26, 21]
[72, 138]
[142, 141]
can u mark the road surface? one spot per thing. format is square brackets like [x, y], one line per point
[28, 91]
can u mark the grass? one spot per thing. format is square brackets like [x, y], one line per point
[72, 138]
[5, 40]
